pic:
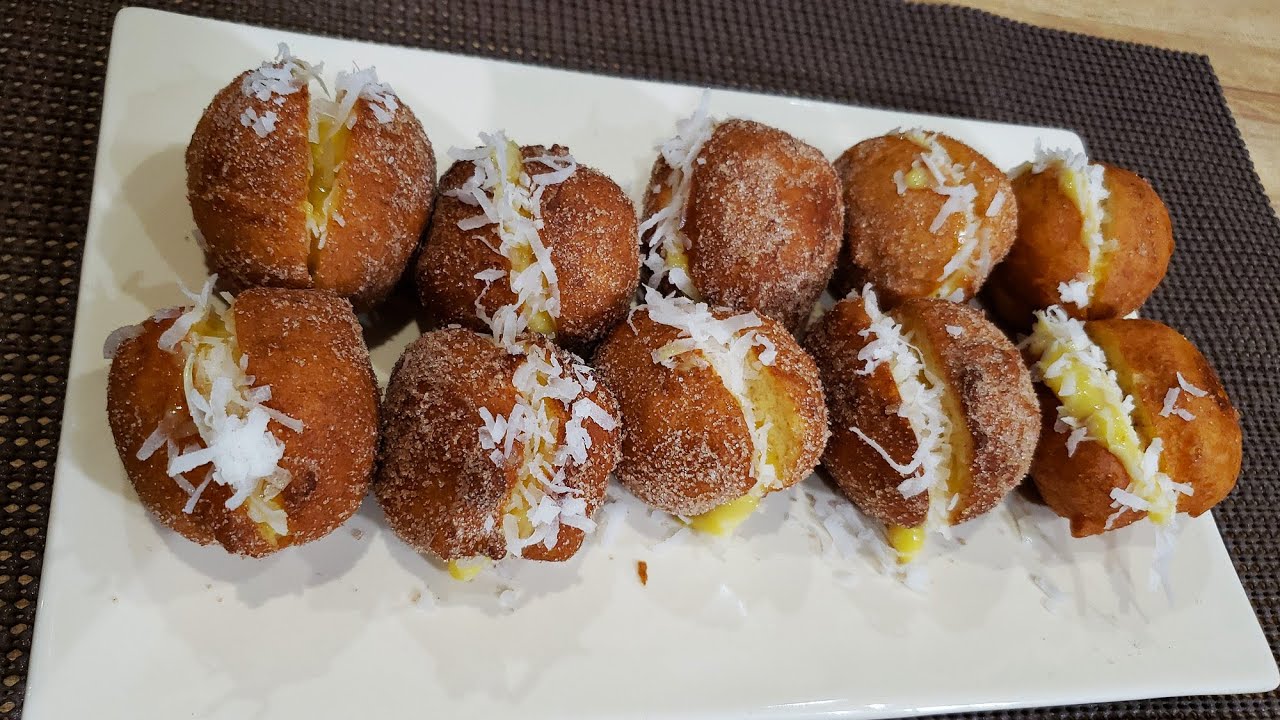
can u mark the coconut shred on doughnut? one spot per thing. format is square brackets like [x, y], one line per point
[721, 409]
[526, 238]
[293, 187]
[925, 216]
[933, 416]
[741, 215]
[221, 439]
[492, 451]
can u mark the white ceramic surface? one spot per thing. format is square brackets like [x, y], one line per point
[135, 622]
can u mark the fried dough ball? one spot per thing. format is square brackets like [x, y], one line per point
[941, 428]
[1093, 238]
[291, 189]
[720, 409]
[197, 429]
[571, 276]
[1136, 423]
[925, 216]
[486, 453]
[751, 220]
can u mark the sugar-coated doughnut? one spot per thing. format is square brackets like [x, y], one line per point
[933, 416]
[742, 215]
[290, 188]
[925, 216]
[252, 426]
[527, 238]
[488, 453]
[1093, 239]
[1136, 423]
[719, 408]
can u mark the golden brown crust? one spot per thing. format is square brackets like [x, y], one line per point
[309, 347]
[247, 196]
[437, 485]
[1050, 249]
[246, 191]
[292, 338]
[1204, 453]
[763, 218]
[1137, 220]
[864, 402]
[387, 183]
[984, 372]
[887, 237]
[590, 226]
[686, 448]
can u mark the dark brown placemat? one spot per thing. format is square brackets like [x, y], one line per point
[1161, 113]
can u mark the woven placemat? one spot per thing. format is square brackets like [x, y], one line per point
[1158, 112]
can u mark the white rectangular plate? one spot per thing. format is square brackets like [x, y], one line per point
[135, 622]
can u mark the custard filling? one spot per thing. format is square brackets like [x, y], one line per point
[934, 169]
[943, 452]
[1084, 183]
[544, 443]
[328, 148]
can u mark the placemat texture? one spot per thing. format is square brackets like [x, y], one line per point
[1158, 112]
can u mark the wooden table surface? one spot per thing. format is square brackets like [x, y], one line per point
[1241, 38]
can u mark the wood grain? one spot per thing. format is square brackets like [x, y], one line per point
[1241, 38]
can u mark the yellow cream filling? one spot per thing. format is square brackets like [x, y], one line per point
[1075, 184]
[917, 178]
[467, 569]
[907, 541]
[521, 258]
[538, 453]
[327, 155]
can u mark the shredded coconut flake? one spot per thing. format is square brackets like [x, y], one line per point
[263, 125]
[1064, 338]
[665, 228]
[921, 406]
[226, 412]
[997, 204]
[542, 502]
[1189, 388]
[511, 198]
[955, 331]
[1076, 291]
[363, 84]
[900, 182]
[118, 337]
[272, 81]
